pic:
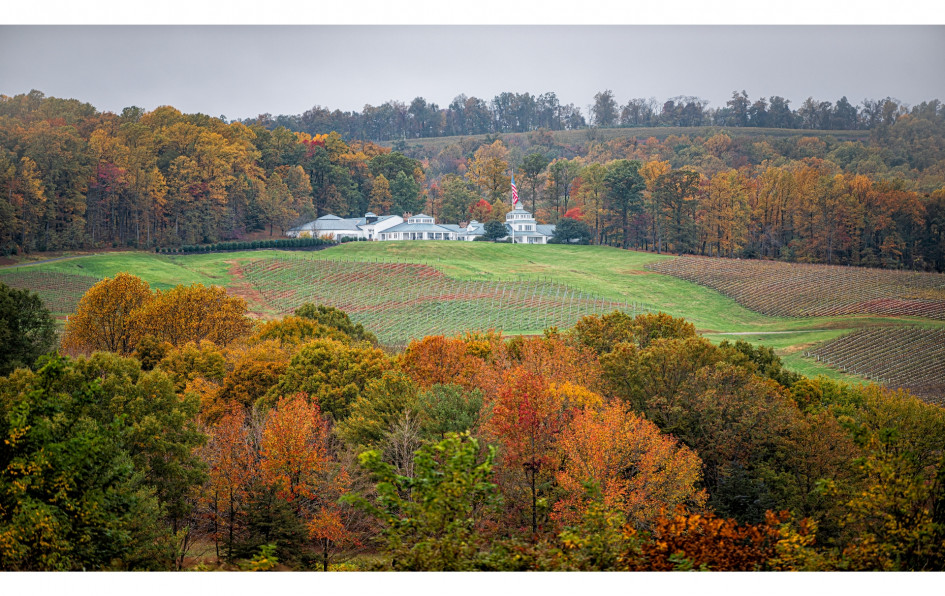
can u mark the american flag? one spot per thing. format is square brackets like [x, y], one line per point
[514, 192]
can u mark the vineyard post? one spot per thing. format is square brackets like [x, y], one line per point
[494, 321]
[537, 310]
[555, 303]
[507, 311]
[491, 308]
[468, 309]
[502, 309]
[472, 309]
[570, 303]
[441, 307]
[513, 296]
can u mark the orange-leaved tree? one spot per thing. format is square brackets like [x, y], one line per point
[554, 359]
[703, 541]
[330, 522]
[297, 462]
[525, 420]
[630, 464]
[251, 371]
[438, 360]
[231, 458]
[294, 448]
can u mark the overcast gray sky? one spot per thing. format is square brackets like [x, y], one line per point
[242, 71]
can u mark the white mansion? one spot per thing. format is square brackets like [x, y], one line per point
[519, 225]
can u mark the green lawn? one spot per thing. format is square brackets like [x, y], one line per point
[609, 272]
[161, 271]
[790, 347]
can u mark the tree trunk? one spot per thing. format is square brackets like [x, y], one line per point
[324, 554]
[626, 229]
[216, 527]
[232, 517]
[534, 506]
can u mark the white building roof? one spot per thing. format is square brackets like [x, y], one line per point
[376, 221]
[414, 227]
[329, 223]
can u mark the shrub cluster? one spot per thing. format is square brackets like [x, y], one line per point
[245, 245]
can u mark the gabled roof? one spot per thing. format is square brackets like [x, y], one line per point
[473, 230]
[546, 229]
[376, 221]
[409, 227]
[337, 224]
[306, 227]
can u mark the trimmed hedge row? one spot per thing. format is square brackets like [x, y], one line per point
[246, 245]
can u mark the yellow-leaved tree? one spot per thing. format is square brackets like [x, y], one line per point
[381, 198]
[489, 171]
[194, 313]
[105, 316]
[116, 314]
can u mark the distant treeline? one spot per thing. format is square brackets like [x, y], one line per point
[73, 177]
[524, 112]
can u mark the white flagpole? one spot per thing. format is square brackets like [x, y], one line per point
[513, 209]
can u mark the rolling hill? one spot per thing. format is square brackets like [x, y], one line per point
[479, 278]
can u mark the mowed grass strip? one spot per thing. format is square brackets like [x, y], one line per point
[791, 346]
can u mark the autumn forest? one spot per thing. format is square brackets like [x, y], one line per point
[169, 426]
[195, 438]
[854, 186]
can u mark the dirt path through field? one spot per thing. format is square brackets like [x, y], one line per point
[255, 301]
[770, 332]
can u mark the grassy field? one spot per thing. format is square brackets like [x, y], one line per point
[161, 271]
[610, 273]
